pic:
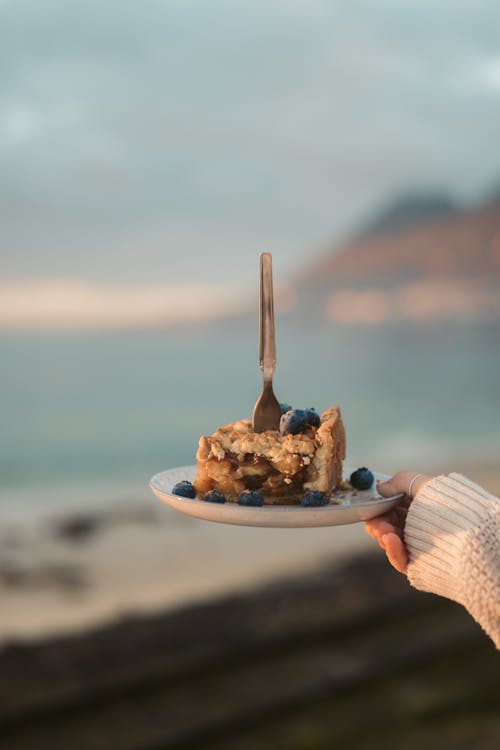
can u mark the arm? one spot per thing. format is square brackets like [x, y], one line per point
[447, 540]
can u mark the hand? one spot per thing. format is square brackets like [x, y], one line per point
[388, 529]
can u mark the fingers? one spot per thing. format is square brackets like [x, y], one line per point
[390, 539]
[370, 530]
[388, 529]
[396, 485]
[401, 483]
[395, 551]
[381, 525]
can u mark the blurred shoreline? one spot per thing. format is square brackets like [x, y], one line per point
[288, 665]
[67, 570]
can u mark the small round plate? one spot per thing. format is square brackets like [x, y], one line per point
[346, 507]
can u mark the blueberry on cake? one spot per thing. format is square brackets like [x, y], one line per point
[304, 455]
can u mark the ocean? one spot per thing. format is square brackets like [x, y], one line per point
[91, 417]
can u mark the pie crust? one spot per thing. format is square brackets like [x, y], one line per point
[282, 467]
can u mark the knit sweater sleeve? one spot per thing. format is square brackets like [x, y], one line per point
[452, 534]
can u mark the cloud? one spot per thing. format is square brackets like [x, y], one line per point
[69, 305]
[489, 73]
[19, 124]
[134, 134]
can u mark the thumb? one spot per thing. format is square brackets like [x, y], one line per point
[407, 482]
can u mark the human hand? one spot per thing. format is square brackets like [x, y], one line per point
[388, 529]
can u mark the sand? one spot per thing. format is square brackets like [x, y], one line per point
[59, 578]
[64, 572]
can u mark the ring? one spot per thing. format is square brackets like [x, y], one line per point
[412, 482]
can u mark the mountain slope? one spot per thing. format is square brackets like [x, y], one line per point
[410, 210]
[446, 268]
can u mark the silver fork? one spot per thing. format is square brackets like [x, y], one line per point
[267, 410]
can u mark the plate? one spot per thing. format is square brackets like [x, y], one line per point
[350, 507]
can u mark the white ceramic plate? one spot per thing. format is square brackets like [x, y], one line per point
[349, 507]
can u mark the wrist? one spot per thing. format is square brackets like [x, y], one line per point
[444, 512]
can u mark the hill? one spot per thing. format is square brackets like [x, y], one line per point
[408, 210]
[446, 267]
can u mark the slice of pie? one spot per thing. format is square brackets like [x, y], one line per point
[282, 467]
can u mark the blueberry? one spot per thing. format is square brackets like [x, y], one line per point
[251, 498]
[214, 496]
[313, 499]
[285, 408]
[362, 479]
[184, 489]
[293, 422]
[313, 417]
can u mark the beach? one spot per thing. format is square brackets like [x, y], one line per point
[84, 541]
[70, 571]
[125, 624]
[150, 153]
[347, 654]
[66, 570]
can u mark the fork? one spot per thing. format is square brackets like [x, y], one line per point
[267, 410]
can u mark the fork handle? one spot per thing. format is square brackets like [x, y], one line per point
[267, 345]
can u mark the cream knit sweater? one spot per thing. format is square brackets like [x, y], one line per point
[452, 534]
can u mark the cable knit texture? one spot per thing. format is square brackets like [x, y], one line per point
[452, 533]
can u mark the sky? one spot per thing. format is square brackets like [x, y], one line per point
[164, 143]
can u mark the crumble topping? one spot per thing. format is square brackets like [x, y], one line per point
[282, 467]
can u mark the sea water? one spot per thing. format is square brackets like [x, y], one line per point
[89, 418]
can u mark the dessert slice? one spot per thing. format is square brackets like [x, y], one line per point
[282, 467]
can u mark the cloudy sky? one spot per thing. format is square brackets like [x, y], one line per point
[167, 142]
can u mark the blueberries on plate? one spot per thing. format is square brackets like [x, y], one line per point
[184, 489]
[314, 499]
[313, 417]
[285, 407]
[214, 496]
[293, 421]
[251, 498]
[362, 479]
